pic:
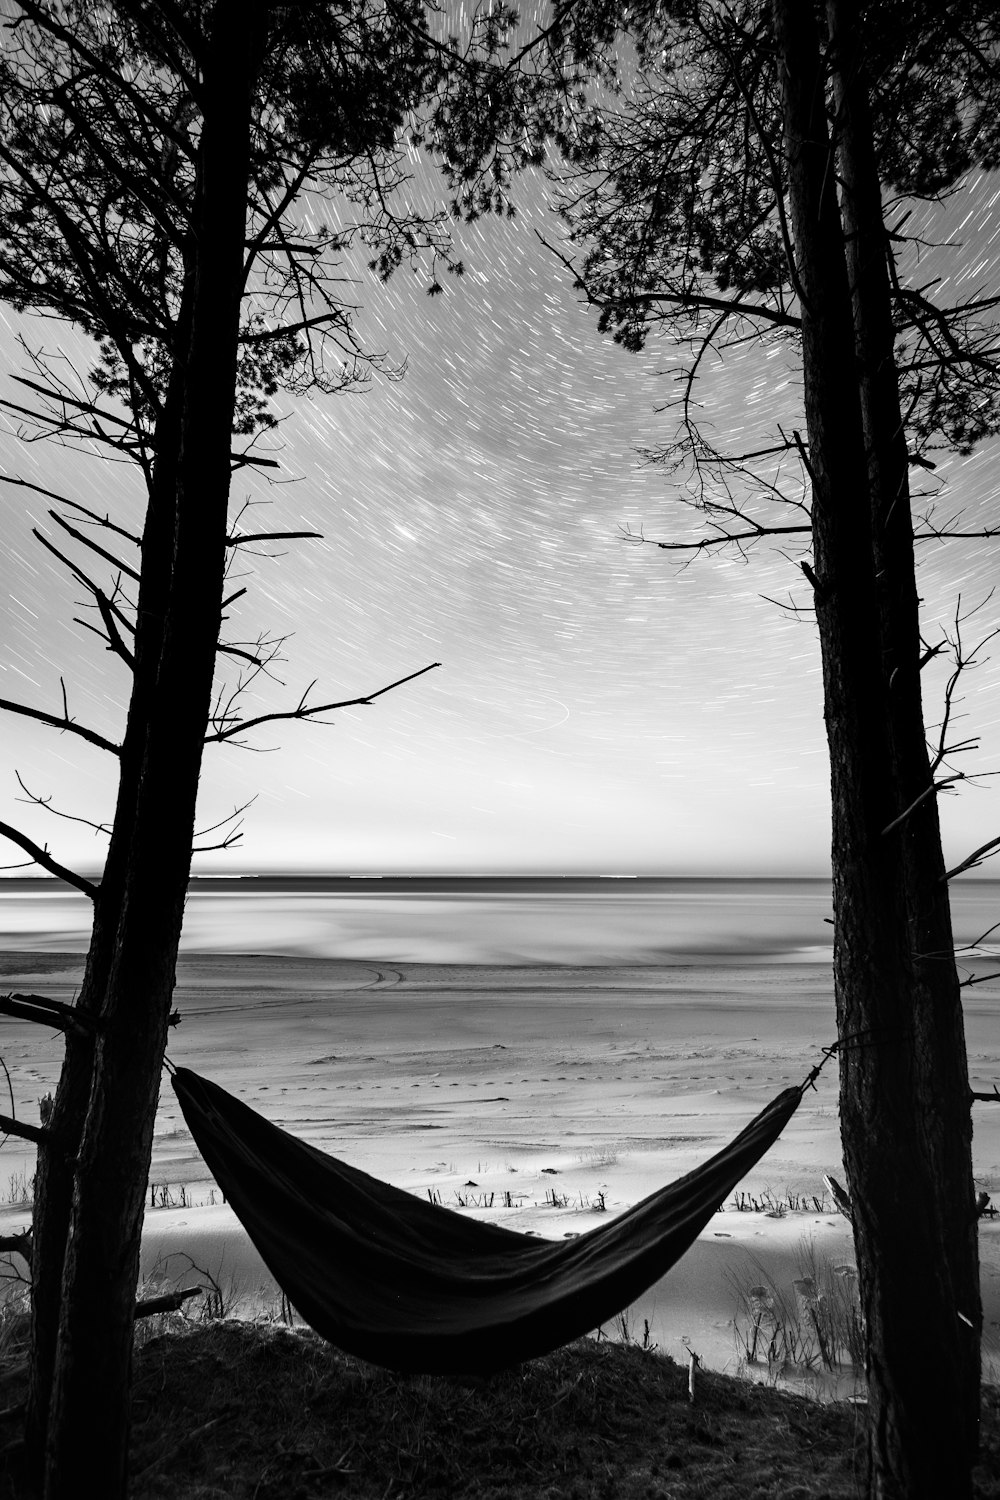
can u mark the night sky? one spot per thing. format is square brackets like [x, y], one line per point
[600, 709]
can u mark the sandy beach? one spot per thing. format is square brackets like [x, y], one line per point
[538, 1096]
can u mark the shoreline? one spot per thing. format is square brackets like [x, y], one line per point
[466, 1080]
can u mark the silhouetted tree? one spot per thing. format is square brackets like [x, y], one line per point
[164, 168]
[751, 184]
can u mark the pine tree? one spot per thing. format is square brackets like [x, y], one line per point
[750, 182]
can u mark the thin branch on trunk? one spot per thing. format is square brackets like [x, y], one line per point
[35, 1133]
[81, 576]
[44, 858]
[65, 723]
[972, 860]
[42, 1011]
[109, 557]
[273, 536]
[301, 711]
[148, 1307]
[17, 1244]
[232, 838]
[935, 786]
[724, 539]
[38, 489]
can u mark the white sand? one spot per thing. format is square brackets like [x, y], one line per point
[524, 1080]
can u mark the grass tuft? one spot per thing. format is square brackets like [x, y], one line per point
[816, 1326]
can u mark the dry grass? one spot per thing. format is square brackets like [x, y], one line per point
[239, 1411]
[816, 1326]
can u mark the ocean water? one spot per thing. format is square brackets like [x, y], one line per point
[491, 920]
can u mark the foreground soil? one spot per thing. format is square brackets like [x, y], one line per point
[236, 1411]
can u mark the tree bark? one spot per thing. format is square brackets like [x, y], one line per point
[87, 1425]
[54, 1174]
[904, 1088]
[939, 1063]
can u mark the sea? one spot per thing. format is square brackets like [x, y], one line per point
[492, 920]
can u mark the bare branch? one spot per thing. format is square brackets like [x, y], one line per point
[930, 533]
[169, 1302]
[303, 712]
[42, 1011]
[114, 638]
[972, 860]
[17, 1244]
[46, 804]
[928, 791]
[87, 541]
[39, 489]
[98, 520]
[723, 539]
[44, 858]
[38, 1134]
[65, 723]
[232, 838]
[273, 536]
[964, 661]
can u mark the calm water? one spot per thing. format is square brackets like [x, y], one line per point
[490, 920]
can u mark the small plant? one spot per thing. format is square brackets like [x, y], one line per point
[177, 1195]
[221, 1298]
[21, 1189]
[15, 1316]
[777, 1205]
[474, 1200]
[598, 1156]
[817, 1326]
[623, 1332]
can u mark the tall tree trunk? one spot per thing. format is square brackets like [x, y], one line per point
[939, 1062]
[911, 1200]
[54, 1175]
[87, 1429]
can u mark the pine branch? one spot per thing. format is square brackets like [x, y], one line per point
[733, 307]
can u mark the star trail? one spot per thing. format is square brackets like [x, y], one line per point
[600, 707]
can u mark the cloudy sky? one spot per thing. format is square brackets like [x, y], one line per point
[598, 707]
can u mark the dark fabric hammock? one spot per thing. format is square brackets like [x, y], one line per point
[417, 1287]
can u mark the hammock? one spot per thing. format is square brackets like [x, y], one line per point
[416, 1287]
